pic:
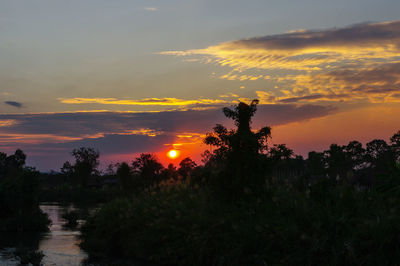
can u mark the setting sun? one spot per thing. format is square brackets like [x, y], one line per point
[173, 154]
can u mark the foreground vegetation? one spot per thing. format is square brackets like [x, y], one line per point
[19, 196]
[250, 204]
[323, 225]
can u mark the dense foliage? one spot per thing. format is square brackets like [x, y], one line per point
[19, 191]
[323, 225]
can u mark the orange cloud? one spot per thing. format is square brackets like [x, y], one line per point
[35, 138]
[359, 62]
[143, 131]
[7, 122]
[147, 101]
[306, 50]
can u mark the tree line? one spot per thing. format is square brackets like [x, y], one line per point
[240, 158]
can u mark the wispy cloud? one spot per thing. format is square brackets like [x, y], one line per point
[354, 63]
[377, 83]
[152, 9]
[147, 101]
[7, 122]
[306, 50]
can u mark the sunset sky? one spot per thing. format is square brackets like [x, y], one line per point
[128, 77]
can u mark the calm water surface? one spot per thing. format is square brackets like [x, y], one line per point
[59, 246]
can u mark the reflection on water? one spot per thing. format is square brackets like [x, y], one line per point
[59, 246]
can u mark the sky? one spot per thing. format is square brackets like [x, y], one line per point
[129, 77]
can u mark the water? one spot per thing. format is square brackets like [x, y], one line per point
[59, 246]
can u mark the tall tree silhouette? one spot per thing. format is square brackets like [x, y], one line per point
[238, 151]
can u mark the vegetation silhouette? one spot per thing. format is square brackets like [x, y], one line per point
[19, 196]
[339, 206]
[239, 152]
[249, 203]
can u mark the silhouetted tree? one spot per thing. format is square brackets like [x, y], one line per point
[12, 165]
[125, 176]
[238, 153]
[316, 164]
[381, 157]
[338, 164]
[3, 165]
[67, 170]
[395, 142]
[148, 168]
[19, 191]
[280, 152]
[86, 163]
[355, 153]
[169, 173]
[186, 167]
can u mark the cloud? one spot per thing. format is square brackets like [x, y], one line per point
[377, 83]
[86, 124]
[147, 101]
[7, 122]
[152, 9]
[14, 104]
[306, 50]
[359, 62]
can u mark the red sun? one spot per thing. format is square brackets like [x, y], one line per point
[173, 154]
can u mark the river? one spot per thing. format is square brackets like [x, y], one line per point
[59, 245]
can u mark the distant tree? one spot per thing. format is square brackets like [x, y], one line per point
[395, 139]
[3, 165]
[316, 163]
[395, 142]
[111, 169]
[338, 164]
[376, 149]
[125, 176]
[17, 160]
[12, 165]
[148, 168]
[380, 156]
[86, 163]
[169, 173]
[280, 152]
[67, 170]
[186, 167]
[355, 153]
